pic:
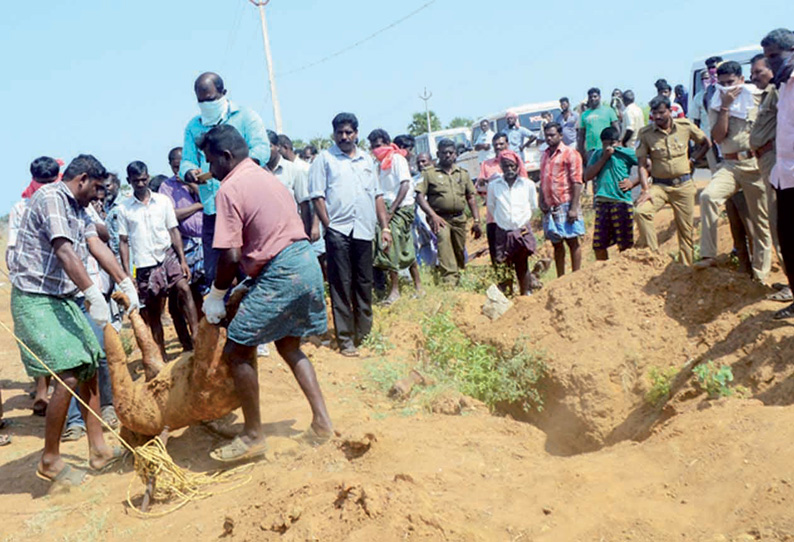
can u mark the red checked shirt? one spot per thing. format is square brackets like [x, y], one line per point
[559, 171]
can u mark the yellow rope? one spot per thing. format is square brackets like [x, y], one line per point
[152, 459]
[173, 482]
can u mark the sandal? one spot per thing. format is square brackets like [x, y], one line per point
[312, 437]
[783, 295]
[40, 408]
[782, 314]
[73, 433]
[5, 440]
[118, 455]
[68, 477]
[349, 352]
[238, 450]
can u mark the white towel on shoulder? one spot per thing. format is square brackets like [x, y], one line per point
[741, 106]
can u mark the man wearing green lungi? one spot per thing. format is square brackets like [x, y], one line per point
[47, 268]
[398, 195]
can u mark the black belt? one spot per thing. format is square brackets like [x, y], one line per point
[675, 181]
[450, 215]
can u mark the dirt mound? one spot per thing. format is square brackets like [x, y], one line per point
[605, 327]
[685, 468]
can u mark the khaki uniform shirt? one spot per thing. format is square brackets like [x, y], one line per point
[766, 123]
[669, 151]
[446, 193]
[738, 138]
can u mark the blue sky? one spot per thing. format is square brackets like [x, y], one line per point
[115, 78]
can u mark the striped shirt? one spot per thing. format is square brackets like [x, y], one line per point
[559, 171]
[52, 213]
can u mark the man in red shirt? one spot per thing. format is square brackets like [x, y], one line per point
[258, 229]
[560, 192]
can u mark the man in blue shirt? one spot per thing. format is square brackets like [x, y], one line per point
[343, 184]
[567, 119]
[518, 137]
[217, 109]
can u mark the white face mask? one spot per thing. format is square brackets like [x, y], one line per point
[213, 112]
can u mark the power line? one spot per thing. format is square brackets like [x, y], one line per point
[364, 40]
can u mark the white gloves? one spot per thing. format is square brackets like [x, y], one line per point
[98, 308]
[128, 288]
[214, 305]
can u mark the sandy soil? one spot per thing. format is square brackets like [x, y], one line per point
[599, 463]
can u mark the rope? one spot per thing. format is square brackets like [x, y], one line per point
[152, 460]
[173, 482]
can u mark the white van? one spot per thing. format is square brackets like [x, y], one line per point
[529, 116]
[461, 136]
[742, 55]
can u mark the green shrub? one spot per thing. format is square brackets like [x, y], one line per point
[477, 278]
[661, 379]
[714, 380]
[480, 370]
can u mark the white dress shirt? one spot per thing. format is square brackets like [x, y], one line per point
[512, 206]
[392, 179]
[147, 226]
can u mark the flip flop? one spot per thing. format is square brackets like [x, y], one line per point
[779, 285]
[118, 455]
[237, 450]
[312, 437]
[783, 295]
[782, 314]
[40, 408]
[5, 440]
[68, 477]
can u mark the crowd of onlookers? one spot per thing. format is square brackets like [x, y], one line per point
[369, 217]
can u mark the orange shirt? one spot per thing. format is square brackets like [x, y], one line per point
[558, 173]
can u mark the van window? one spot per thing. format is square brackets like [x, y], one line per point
[529, 120]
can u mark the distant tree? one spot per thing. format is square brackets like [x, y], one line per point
[298, 144]
[418, 124]
[321, 143]
[460, 122]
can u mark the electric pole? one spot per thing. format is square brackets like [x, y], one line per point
[426, 96]
[271, 77]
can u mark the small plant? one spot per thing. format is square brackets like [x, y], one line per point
[377, 341]
[477, 278]
[714, 380]
[661, 379]
[384, 374]
[480, 370]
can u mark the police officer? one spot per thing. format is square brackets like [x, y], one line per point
[443, 193]
[665, 142]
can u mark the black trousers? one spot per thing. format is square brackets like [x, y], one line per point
[350, 280]
[785, 230]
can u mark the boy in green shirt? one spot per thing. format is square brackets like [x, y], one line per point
[614, 220]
